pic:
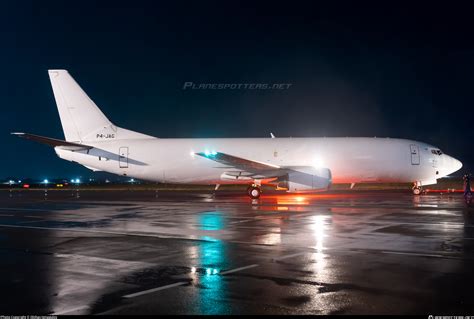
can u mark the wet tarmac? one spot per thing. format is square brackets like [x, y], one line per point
[141, 252]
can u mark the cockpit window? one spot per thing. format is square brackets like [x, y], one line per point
[436, 152]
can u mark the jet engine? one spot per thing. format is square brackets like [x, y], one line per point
[305, 178]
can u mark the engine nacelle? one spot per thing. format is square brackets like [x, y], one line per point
[301, 179]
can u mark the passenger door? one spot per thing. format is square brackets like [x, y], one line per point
[415, 154]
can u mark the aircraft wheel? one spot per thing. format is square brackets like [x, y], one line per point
[254, 192]
[416, 190]
[248, 190]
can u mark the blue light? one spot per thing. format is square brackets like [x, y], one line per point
[46, 181]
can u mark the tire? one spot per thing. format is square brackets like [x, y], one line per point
[254, 192]
[248, 190]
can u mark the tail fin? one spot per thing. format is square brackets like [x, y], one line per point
[79, 114]
[81, 119]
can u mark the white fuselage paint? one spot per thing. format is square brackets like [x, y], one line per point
[351, 160]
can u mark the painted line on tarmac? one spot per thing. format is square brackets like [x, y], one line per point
[149, 291]
[289, 256]
[103, 232]
[238, 269]
[25, 209]
[64, 312]
[415, 254]
[177, 284]
[242, 221]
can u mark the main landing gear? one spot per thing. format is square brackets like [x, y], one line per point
[254, 191]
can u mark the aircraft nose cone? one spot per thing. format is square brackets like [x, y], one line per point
[453, 164]
[457, 164]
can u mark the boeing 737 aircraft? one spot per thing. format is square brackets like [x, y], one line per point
[294, 164]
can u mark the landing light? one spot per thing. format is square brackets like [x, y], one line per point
[45, 181]
[318, 162]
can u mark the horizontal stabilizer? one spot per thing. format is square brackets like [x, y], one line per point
[54, 142]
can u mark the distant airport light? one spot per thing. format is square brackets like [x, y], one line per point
[45, 181]
[132, 180]
[19, 181]
[72, 180]
[78, 181]
[26, 186]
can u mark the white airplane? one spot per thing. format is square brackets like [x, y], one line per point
[294, 164]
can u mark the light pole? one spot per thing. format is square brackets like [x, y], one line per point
[45, 182]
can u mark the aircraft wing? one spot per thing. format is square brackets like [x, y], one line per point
[54, 142]
[255, 168]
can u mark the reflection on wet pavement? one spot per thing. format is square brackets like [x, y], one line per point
[136, 253]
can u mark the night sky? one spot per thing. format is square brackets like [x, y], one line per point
[355, 71]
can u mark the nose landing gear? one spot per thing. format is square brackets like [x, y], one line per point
[417, 190]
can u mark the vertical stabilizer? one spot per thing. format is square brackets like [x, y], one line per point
[79, 114]
[81, 119]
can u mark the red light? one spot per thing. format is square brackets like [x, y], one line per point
[26, 185]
